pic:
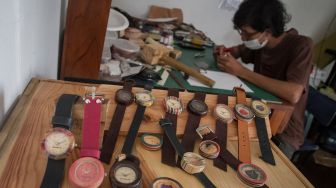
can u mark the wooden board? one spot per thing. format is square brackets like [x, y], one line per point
[84, 38]
[22, 164]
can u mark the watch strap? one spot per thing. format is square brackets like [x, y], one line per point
[190, 134]
[221, 134]
[54, 173]
[134, 128]
[113, 132]
[265, 147]
[168, 155]
[169, 131]
[63, 112]
[243, 136]
[91, 127]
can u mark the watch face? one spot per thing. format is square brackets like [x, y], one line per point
[144, 98]
[198, 107]
[58, 143]
[86, 172]
[224, 113]
[173, 105]
[165, 182]
[260, 108]
[251, 174]
[192, 163]
[209, 149]
[125, 173]
[124, 96]
[151, 141]
[243, 112]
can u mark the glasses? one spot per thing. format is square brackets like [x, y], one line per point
[246, 34]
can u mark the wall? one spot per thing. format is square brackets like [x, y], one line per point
[29, 38]
[310, 17]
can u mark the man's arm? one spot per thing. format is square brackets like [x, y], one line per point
[286, 90]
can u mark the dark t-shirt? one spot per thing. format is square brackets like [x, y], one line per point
[290, 60]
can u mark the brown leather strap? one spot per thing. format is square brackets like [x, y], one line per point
[190, 134]
[243, 136]
[113, 132]
[221, 133]
[168, 155]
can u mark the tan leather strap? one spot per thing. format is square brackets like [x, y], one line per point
[244, 153]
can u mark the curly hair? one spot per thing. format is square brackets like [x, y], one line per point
[262, 15]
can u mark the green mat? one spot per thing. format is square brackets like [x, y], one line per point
[189, 59]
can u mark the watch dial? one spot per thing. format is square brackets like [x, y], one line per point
[174, 103]
[152, 140]
[209, 148]
[124, 96]
[125, 174]
[223, 112]
[244, 111]
[260, 108]
[194, 159]
[198, 107]
[143, 96]
[58, 142]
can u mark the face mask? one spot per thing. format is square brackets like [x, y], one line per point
[254, 44]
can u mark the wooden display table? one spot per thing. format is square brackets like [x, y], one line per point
[22, 163]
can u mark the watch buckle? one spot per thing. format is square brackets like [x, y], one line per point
[238, 88]
[200, 129]
[121, 157]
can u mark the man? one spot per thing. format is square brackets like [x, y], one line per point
[282, 60]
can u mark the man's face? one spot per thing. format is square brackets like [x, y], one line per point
[248, 33]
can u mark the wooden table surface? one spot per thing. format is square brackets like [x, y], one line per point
[22, 163]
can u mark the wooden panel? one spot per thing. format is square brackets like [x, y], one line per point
[22, 164]
[84, 38]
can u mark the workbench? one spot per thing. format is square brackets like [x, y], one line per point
[22, 162]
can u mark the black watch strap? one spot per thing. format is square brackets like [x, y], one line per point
[63, 113]
[54, 173]
[112, 135]
[169, 131]
[134, 128]
[221, 134]
[168, 155]
[265, 147]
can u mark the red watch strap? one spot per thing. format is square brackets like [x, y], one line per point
[91, 127]
[168, 154]
[221, 133]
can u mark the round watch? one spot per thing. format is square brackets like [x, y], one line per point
[260, 108]
[151, 141]
[58, 143]
[86, 172]
[192, 163]
[223, 113]
[124, 96]
[144, 98]
[173, 105]
[198, 107]
[165, 182]
[251, 175]
[125, 173]
[209, 149]
[243, 112]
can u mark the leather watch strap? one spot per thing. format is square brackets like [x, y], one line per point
[169, 131]
[168, 155]
[221, 133]
[113, 132]
[63, 112]
[243, 136]
[190, 134]
[265, 148]
[54, 173]
[134, 128]
[91, 128]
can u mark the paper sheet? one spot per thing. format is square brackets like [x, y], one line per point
[223, 81]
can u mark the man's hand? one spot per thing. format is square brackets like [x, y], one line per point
[227, 63]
